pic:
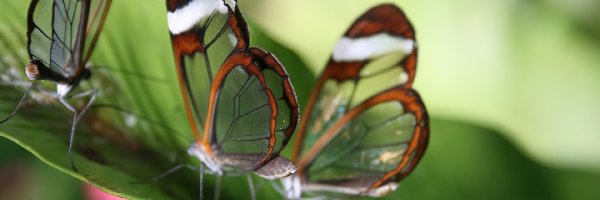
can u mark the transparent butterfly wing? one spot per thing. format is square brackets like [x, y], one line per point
[351, 140]
[58, 33]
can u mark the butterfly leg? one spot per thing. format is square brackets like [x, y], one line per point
[45, 91]
[72, 131]
[251, 187]
[76, 117]
[19, 104]
[217, 187]
[201, 180]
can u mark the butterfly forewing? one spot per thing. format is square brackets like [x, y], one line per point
[58, 33]
[364, 125]
[201, 50]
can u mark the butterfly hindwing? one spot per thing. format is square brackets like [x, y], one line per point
[372, 146]
[255, 106]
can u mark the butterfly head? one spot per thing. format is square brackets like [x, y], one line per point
[37, 70]
[32, 70]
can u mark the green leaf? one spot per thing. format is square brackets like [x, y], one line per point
[137, 80]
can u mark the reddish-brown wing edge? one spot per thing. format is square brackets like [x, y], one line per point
[418, 144]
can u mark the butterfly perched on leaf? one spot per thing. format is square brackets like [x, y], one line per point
[364, 128]
[239, 101]
[61, 36]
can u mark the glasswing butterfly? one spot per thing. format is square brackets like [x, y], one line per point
[364, 128]
[61, 36]
[239, 101]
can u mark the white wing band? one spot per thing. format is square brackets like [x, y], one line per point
[359, 49]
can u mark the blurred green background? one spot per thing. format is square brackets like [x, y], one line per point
[511, 87]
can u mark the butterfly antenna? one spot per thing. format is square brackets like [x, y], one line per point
[19, 105]
[72, 132]
[141, 76]
[218, 188]
[161, 176]
[251, 187]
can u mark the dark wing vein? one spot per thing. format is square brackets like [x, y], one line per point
[237, 115]
[237, 110]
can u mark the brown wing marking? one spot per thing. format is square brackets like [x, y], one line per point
[412, 103]
[385, 18]
[410, 67]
